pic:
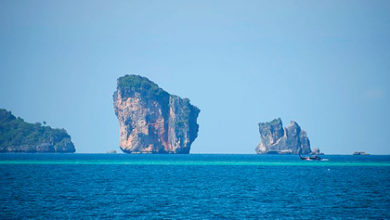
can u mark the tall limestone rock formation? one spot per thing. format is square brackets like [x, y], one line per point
[278, 140]
[151, 120]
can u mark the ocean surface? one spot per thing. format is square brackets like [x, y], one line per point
[195, 186]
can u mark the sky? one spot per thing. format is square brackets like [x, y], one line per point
[324, 64]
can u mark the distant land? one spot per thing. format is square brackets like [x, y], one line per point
[278, 140]
[152, 120]
[16, 135]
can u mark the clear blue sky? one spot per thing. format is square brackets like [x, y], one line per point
[325, 64]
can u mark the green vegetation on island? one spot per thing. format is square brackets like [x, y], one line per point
[16, 135]
[129, 84]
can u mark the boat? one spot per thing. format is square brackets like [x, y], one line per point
[315, 157]
[111, 152]
[360, 153]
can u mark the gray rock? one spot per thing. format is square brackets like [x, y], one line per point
[279, 140]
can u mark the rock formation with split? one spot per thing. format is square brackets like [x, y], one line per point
[278, 140]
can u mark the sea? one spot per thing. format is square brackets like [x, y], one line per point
[194, 186]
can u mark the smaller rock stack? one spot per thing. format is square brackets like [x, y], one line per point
[278, 140]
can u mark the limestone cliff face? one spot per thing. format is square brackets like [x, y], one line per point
[151, 120]
[276, 139]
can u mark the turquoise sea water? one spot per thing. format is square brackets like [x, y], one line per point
[197, 186]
